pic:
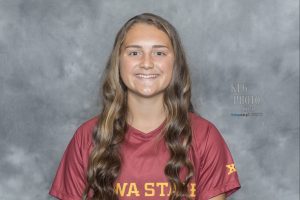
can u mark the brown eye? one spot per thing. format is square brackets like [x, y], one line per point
[134, 53]
[160, 53]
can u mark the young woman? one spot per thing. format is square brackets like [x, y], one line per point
[147, 142]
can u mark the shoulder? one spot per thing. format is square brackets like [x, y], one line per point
[204, 132]
[84, 132]
[200, 125]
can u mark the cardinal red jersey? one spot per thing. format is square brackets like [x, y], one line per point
[144, 157]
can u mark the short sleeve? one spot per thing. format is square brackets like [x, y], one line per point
[218, 173]
[69, 182]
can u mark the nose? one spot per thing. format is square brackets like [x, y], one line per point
[147, 62]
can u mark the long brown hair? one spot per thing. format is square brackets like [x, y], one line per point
[105, 160]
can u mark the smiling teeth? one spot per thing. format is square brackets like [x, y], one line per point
[147, 75]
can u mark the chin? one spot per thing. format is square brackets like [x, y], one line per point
[150, 94]
[146, 93]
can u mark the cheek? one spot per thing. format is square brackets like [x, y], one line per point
[123, 68]
[123, 73]
[169, 69]
[126, 64]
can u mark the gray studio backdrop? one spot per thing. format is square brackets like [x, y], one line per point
[244, 64]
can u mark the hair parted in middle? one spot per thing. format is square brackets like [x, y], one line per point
[105, 159]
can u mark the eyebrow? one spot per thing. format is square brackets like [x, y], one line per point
[140, 47]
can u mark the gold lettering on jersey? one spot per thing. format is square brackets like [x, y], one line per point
[150, 189]
[170, 190]
[231, 168]
[120, 190]
[193, 190]
[162, 185]
[133, 190]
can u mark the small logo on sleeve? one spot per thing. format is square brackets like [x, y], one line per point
[231, 168]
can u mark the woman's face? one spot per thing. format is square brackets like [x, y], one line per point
[146, 61]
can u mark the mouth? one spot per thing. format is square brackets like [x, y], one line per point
[147, 76]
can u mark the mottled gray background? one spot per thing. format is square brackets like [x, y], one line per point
[52, 54]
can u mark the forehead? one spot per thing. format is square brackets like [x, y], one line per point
[142, 32]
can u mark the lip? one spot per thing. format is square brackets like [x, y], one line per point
[146, 76]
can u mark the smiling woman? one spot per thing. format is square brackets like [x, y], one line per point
[146, 61]
[147, 142]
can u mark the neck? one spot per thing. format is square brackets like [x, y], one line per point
[145, 114]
